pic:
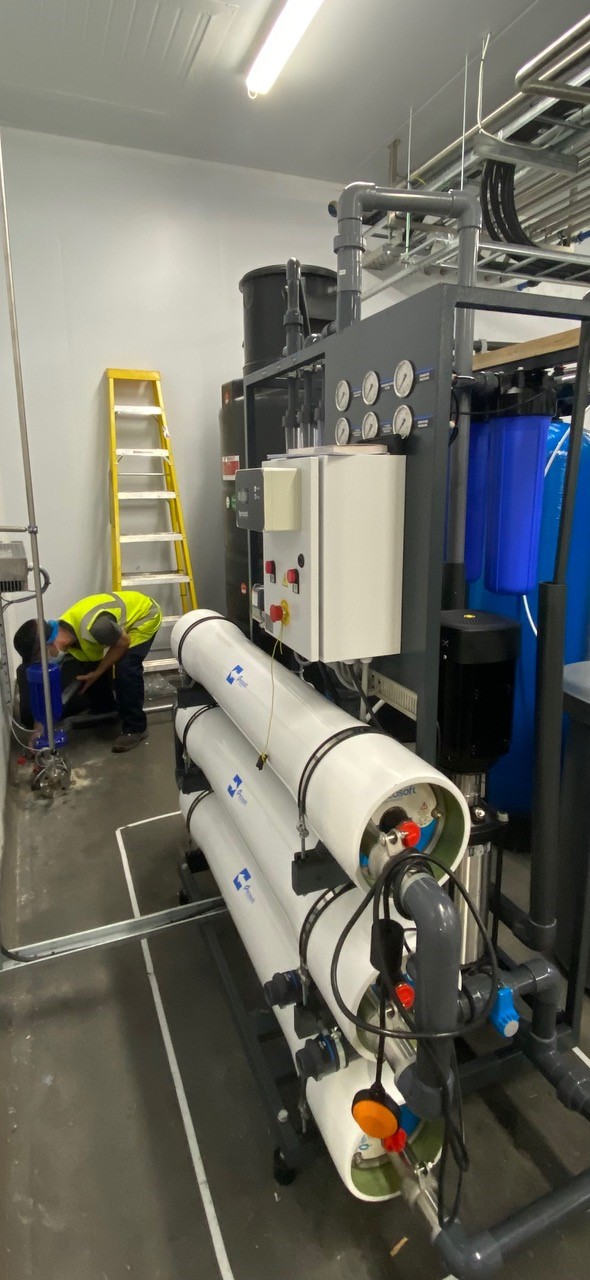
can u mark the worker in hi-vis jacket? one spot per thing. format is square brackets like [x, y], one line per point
[103, 639]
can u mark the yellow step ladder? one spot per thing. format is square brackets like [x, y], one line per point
[135, 407]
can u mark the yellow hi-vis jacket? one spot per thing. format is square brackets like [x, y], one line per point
[137, 614]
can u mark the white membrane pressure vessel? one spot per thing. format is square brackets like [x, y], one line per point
[356, 782]
[271, 947]
[266, 817]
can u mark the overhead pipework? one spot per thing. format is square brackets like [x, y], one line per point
[530, 159]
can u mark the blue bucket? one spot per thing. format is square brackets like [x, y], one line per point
[35, 683]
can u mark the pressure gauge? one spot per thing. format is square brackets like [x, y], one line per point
[371, 387]
[342, 431]
[370, 426]
[342, 396]
[403, 378]
[403, 421]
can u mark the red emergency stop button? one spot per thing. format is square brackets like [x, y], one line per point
[292, 576]
[270, 567]
[410, 834]
[276, 613]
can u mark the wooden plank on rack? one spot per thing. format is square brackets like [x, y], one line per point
[558, 345]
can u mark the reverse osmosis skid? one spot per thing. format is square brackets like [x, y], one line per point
[332, 747]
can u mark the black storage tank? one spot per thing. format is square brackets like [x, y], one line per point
[263, 292]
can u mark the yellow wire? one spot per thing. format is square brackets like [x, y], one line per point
[263, 757]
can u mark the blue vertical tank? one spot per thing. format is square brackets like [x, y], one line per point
[510, 781]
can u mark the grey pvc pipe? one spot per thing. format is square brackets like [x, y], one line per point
[24, 437]
[293, 320]
[469, 230]
[547, 765]
[349, 243]
[349, 246]
[471, 1257]
[436, 969]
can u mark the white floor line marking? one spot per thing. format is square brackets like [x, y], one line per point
[212, 1220]
[582, 1055]
[142, 821]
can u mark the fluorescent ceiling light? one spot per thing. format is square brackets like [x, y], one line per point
[290, 26]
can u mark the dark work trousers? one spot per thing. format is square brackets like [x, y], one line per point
[125, 690]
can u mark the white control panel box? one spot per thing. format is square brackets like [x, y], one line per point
[335, 583]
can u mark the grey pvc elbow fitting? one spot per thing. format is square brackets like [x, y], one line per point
[469, 1258]
[438, 955]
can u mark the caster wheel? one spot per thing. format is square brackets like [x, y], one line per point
[183, 898]
[281, 1171]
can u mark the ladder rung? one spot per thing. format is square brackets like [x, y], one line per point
[133, 375]
[128, 579]
[142, 453]
[143, 495]
[138, 410]
[160, 664]
[150, 537]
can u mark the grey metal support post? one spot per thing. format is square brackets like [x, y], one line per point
[24, 436]
[549, 685]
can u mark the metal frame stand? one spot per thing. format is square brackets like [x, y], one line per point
[265, 1047]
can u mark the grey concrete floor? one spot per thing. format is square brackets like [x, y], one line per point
[96, 1180]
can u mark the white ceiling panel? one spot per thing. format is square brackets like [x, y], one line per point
[137, 54]
[168, 75]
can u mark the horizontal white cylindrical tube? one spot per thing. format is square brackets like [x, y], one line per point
[266, 817]
[271, 947]
[355, 782]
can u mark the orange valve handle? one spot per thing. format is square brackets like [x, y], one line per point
[375, 1113]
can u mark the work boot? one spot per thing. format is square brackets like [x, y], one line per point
[127, 741]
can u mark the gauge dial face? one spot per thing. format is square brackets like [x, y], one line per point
[370, 426]
[342, 396]
[371, 387]
[342, 431]
[404, 378]
[403, 421]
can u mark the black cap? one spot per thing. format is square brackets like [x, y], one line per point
[26, 640]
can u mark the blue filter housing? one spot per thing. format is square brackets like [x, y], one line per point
[510, 780]
[35, 683]
[515, 500]
[475, 526]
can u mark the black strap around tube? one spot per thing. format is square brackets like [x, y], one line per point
[209, 706]
[197, 800]
[211, 617]
[320, 754]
